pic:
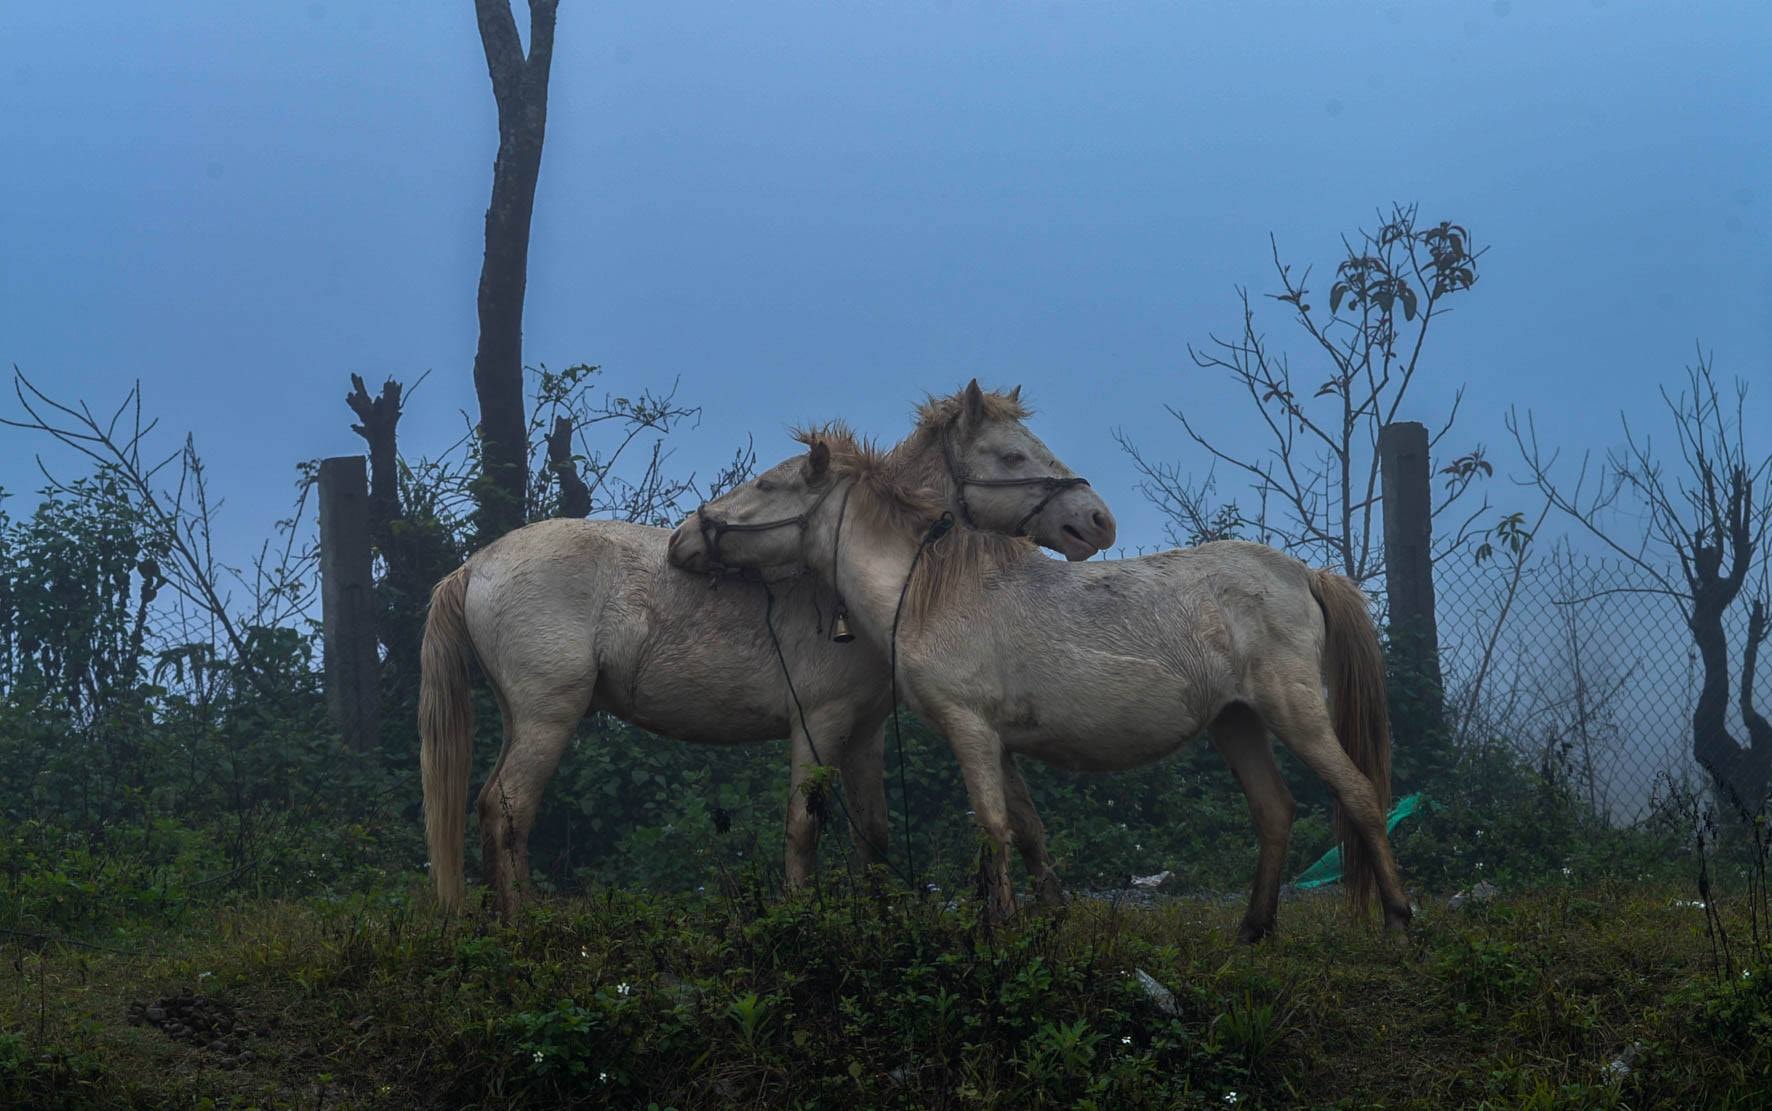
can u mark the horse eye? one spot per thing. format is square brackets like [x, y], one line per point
[765, 487]
[1015, 459]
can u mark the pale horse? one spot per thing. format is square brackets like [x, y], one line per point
[1095, 666]
[570, 617]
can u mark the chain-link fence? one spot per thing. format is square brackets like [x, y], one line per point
[1573, 662]
[1577, 663]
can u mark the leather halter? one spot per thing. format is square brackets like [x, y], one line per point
[1053, 485]
[713, 528]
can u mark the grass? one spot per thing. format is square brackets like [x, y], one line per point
[858, 1000]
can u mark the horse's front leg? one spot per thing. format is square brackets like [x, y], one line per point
[821, 742]
[979, 749]
[1030, 835]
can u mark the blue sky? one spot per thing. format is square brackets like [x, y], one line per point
[810, 208]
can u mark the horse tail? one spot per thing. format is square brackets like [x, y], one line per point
[1354, 669]
[446, 732]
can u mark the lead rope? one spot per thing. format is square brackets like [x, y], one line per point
[780, 658]
[937, 530]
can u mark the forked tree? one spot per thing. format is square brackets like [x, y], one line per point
[1704, 545]
[1314, 477]
[520, 88]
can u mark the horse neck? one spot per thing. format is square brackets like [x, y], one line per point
[867, 565]
[921, 462]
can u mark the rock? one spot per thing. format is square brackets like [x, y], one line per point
[156, 1013]
[1620, 1067]
[1158, 994]
[1154, 880]
[1481, 893]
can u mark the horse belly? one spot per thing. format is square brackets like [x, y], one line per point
[1128, 729]
[693, 698]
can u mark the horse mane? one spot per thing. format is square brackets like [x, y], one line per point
[921, 451]
[892, 491]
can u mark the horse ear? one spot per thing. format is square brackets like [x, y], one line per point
[1015, 394]
[972, 405]
[818, 460]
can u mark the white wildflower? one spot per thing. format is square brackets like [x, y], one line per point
[623, 988]
[538, 1056]
[1126, 1039]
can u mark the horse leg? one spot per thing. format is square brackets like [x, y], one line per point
[512, 796]
[862, 764]
[1299, 717]
[802, 826]
[1242, 741]
[492, 862]
[1030, 835]
[980, 752]
[828, 740]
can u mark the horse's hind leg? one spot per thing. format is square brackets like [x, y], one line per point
[1299, 717]
[512, 796]
[1242, 740]
[1030, 835]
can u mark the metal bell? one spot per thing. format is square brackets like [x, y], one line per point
[840, 633]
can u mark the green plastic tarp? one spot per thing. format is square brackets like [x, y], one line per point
[1327, 869]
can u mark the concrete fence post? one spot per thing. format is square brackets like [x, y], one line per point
[1408, 559]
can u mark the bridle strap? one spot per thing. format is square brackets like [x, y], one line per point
[1054, 485]
[713, 528]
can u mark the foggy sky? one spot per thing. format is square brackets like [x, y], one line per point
[827, 207]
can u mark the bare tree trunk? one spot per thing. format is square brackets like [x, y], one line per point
[1743, 771]
[1759, 730]
[520, 86]
[575, 496]
[380, 418]
[1740, 770]
[402, 589]
[353, 673]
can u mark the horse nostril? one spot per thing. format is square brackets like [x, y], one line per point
[1099, 519]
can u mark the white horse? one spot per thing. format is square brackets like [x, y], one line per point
[568, 617]
[1092, 666]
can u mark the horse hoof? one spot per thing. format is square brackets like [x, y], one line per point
[1050, 893]
[1249, 933]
